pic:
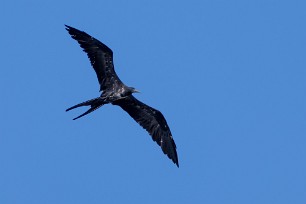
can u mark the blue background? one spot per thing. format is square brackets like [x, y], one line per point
[229, 76]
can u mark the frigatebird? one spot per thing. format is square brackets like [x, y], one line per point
[115, 92]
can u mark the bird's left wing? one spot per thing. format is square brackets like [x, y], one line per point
[100, 56]
[153, 121]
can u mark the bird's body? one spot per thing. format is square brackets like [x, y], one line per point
[114, 91]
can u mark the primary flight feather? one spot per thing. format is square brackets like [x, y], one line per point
[114, 91]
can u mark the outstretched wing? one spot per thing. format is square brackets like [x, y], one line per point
[153, 121]
[101, 58]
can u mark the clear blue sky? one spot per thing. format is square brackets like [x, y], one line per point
[229, 76]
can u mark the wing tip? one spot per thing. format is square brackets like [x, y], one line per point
[73, 31]
[171, 153]
[177, 164]
[174, 159]
[67, 27]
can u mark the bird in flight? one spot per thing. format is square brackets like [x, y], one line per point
[114, 91]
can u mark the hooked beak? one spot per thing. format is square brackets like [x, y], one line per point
[136, 91]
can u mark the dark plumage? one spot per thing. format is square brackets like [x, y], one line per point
[114, 91]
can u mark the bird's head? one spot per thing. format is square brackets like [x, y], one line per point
[129, 91]
[133, 90]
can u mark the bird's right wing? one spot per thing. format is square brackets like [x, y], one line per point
[153, 121]
[100, 56]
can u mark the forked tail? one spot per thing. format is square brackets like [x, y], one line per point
[93, 103]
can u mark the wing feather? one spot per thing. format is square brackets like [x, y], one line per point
[153, 121]
[100, 56]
